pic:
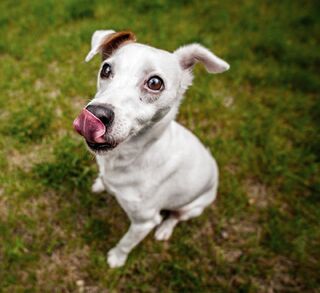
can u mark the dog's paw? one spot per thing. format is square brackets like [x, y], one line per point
[97, 186]
[116, 258]
[164, 231]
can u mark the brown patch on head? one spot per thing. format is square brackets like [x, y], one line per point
[114, 41]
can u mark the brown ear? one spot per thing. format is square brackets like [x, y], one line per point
[114, 41]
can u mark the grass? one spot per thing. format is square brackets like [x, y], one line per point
[260, 120]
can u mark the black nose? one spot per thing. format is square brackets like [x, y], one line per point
[103, 112]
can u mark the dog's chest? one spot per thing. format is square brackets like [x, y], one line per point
[130, 191]
[123, 180]
[134, 185]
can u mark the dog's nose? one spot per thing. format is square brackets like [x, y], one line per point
[102, 112]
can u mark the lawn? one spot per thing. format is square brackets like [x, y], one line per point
[260, 120]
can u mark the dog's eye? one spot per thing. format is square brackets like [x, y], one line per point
[155, 83]
[105, 71]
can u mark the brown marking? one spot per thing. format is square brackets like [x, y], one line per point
[115, 41]
[176, 214]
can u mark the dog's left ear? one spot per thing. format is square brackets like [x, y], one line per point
[107, 41]
[191, 54]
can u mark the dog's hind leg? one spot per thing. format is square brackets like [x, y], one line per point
[165, 229]
[196, 207]
[191, 210]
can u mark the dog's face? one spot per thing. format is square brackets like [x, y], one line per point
[138, 86]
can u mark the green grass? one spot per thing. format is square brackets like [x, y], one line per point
[260, 120]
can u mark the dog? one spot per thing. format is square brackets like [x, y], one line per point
[147, 160]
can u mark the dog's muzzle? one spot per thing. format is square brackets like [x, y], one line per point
[92, 123]
[90, 127]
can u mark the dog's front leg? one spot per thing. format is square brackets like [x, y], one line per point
[137, 232]
[98, 186]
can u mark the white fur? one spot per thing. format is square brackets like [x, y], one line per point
[96, 40]
[191, 54]
[158, 164]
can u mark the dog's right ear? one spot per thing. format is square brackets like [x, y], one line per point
[189, 55]
[107, 41]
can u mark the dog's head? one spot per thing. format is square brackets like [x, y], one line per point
[138, 87]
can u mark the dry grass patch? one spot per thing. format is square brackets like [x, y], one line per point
[258, 194]
[62, 270]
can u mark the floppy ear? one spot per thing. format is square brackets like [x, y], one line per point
[191, 54]
[96, 41]
[107, 41]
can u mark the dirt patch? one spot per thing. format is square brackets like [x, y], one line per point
[280, 279]
[54, 67]
[28, 157]
[258, 194]
[228, 101]
[62, 270]
[4, 209]
[53, 94]
[232, 168]
[39, 85]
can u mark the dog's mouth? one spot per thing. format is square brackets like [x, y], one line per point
[101, 147]
[96, 135]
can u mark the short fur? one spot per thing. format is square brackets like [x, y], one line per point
[158, 164]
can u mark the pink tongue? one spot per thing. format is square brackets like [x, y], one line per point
[90, 127]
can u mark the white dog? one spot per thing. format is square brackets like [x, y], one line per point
[148, 161]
